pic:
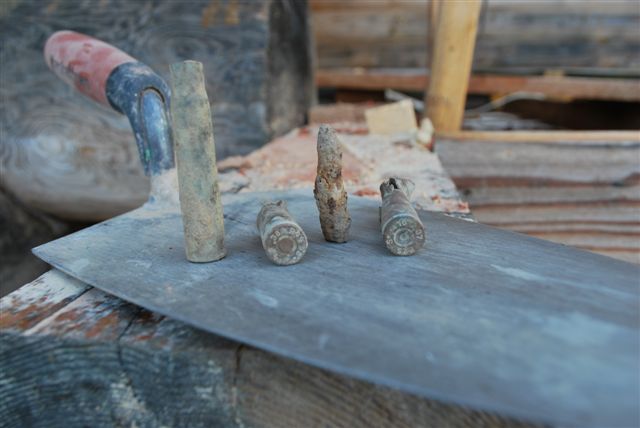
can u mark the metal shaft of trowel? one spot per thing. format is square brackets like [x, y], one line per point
[196, 162]
[114, 79]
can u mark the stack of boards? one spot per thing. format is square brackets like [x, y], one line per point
[579, 189]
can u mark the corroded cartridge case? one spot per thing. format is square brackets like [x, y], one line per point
[331, 197]
[196, 161]
[282, 238]
[402, 230]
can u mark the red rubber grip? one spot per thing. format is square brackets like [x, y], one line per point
[83, 62]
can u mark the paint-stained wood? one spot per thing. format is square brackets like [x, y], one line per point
[290, 162]
[65, 155]
[78, 357]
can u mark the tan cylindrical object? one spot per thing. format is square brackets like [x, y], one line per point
[451, 63]
[196, 162]
[331, 197]
[283, 240]
[402, 229]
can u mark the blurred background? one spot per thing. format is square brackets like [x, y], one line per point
[549, 143]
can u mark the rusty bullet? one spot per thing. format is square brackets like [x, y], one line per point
[331, 197]
[283, 240]
[402, 229]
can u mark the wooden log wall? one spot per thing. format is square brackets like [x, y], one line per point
[589, 36]
[257, 60]
[576, 188]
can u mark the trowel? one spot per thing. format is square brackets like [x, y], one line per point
[480, 317]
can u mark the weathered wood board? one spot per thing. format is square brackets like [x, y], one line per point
[576, 188]
[64, 154]
[481, 317]
[512, 35]
[560, 88]
[74, 356]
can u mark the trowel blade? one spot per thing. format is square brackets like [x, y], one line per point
[480, 317]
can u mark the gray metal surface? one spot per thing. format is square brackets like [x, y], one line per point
[481, 317]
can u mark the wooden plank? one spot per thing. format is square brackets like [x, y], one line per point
[612, 138]
[554, 87]
[480, 192]
[455, 39]
[610, 212]
[97, 361]
[620, 254]
[632, 228]
[572, 187]
[542, 157]
[40, 299]
[512, 35]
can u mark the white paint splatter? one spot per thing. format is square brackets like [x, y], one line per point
[265, 300]
[78, 265]
[519, 273]
[322, 340]
[202, 275]
[204, 392]
[579, 330]
[140, 264]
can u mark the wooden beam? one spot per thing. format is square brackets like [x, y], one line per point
[573, 137]
[554, 87]
[451, 63]
[433, 15]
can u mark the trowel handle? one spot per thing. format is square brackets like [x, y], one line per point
[84, 62]
[115, 79]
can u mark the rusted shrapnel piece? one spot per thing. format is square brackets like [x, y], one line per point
[331, 197]
[196, 161]
[402, 229]
[282, 238]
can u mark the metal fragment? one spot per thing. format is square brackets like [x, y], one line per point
[196, 161]
[283, 240]
[329, 191]
[402, 229]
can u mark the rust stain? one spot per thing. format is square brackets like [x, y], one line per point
[209, 13]
[71, 315]
[86, 151]
[146, 316]
[332, 205]
[304, 131]
[367, 191]
[107, 322]
[234, 162]
[26, 318]
[143, 337]
[52, 7]
[232, 16]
